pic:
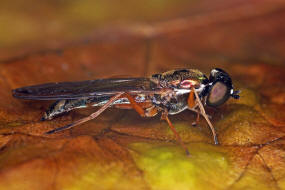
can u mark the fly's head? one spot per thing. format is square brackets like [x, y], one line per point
[219, 88]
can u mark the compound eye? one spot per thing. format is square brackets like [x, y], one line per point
[219, 93]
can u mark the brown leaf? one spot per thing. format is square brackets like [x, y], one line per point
[121, 150]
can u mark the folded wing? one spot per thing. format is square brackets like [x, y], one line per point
[85, 89]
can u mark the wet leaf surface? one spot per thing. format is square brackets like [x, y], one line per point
[121, 150]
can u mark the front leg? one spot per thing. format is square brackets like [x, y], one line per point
[195, 109]
[197, 120]
[203, 113]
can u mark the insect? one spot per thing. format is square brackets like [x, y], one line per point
[167, 93]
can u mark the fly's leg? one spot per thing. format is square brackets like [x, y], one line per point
[92, 116]
[198, 112]
[145, 109]
[152, 111]
[178, 138]
[203, 113]
[139, 108]
[135, 105]
[149, 109]
[197, 119]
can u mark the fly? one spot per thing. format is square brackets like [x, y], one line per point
[167, 93]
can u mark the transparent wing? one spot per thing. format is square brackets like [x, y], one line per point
[85, 89]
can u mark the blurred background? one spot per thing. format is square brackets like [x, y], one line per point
[195, 31]
[69, 40]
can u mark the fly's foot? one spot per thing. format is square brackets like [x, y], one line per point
[164, 115]
[216, 140]
[151, 111]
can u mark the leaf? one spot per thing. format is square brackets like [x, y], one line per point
[121, 150]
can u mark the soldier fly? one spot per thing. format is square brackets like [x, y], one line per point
[167, 93]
